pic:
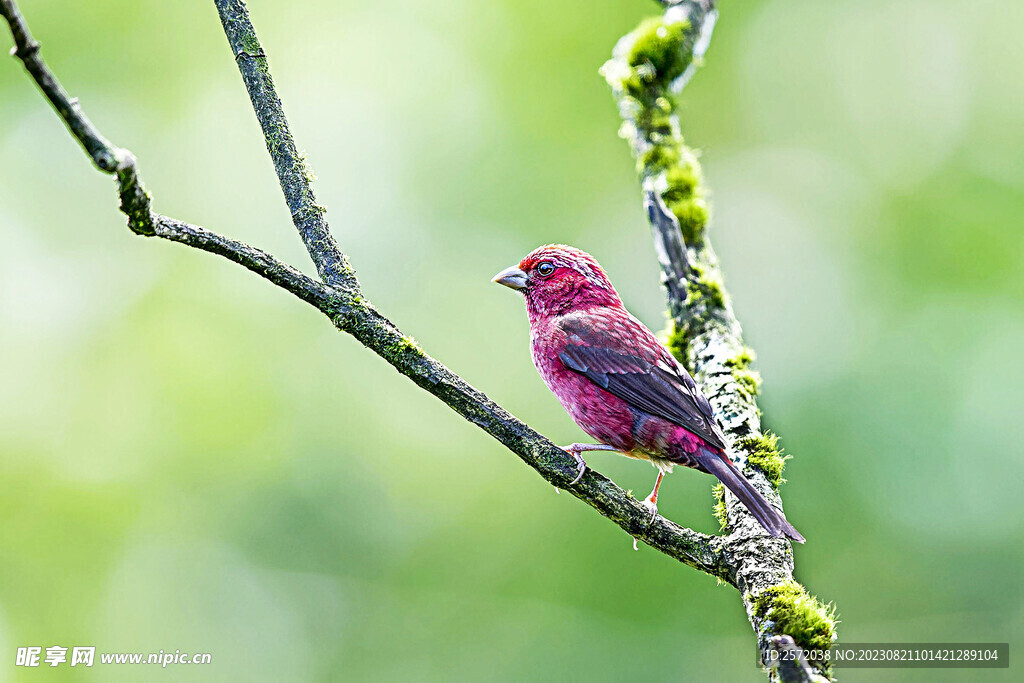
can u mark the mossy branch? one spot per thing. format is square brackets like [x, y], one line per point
[649, 66]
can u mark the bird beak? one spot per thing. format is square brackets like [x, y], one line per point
[513, 278]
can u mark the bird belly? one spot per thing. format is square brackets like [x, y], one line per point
[602, 415]
[613, 421]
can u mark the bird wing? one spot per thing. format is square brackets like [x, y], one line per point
[619, 354]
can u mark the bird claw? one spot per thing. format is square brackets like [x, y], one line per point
[581, 464]
[652, 507]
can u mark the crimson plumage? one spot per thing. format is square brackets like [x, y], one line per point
[619, 383]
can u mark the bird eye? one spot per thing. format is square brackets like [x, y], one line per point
[544, 269]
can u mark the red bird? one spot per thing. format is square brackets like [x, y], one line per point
[618, 381]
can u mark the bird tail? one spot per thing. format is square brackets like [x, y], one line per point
[719, 464]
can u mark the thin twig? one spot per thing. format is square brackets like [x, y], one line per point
[107, 157]
[308, 289]
[292, 170]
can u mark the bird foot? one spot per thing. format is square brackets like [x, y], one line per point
[581, 464]
[652, 506]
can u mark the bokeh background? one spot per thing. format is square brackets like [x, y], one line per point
[190, 459]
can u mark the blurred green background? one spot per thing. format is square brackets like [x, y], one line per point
[190, 459]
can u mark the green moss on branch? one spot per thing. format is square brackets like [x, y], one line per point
[811, 623]
[658, 52]
[764, 454]
[648, 67]
[677, 341]
[718, 509]
[645, 65]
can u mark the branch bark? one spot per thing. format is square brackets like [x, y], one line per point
[292, 171]
[706, 334]
[648, 68]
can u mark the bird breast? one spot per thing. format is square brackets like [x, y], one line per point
[600, 414]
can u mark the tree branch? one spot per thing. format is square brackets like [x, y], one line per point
[706, 334]
[648, 68]
[351, 312]
[106, 157]
[292, 172]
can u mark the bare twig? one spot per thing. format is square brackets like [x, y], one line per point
[107, 157]
[292, 171]
[792, 665]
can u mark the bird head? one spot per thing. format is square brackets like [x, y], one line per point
[556, 279]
